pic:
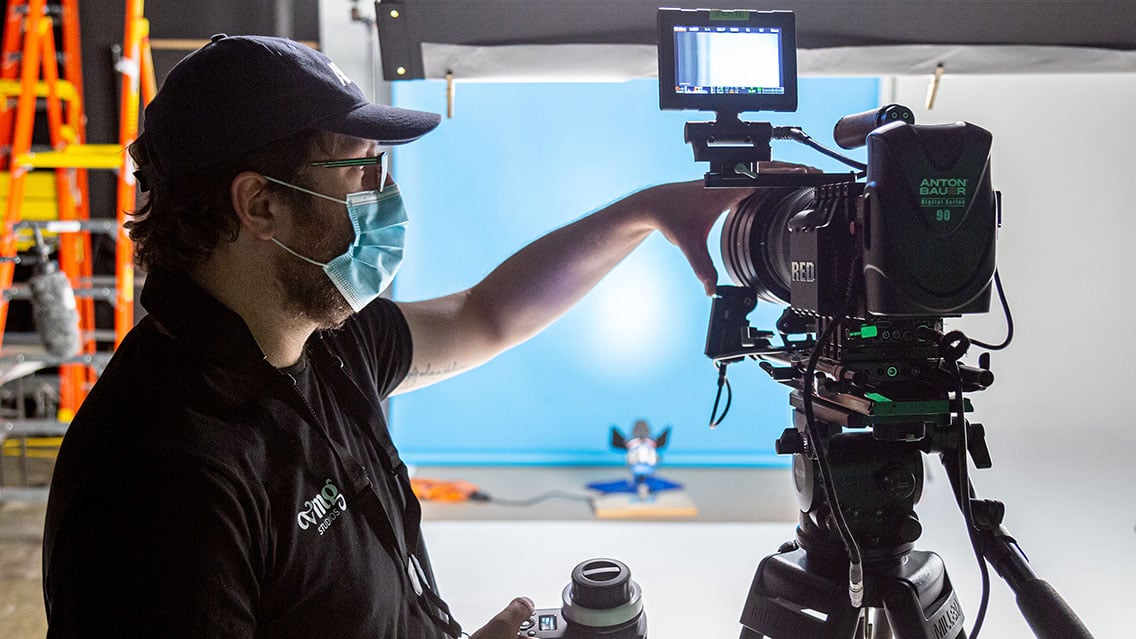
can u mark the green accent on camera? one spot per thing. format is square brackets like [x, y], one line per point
[729, 16]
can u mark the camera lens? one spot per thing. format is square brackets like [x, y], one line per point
[603, 599]
[601, 584]
[755, 240]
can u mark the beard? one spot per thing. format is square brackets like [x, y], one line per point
[307, 291]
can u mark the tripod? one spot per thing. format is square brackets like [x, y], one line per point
[802, 591]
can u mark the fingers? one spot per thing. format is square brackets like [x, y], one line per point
[714, 202]
[504, 625]
[685, 213]
[703, 266]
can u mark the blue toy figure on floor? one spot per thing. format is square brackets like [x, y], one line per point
[642, 458]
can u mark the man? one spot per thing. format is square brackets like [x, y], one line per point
[231, 473]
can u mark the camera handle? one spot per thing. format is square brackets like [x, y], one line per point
[728, 143]
[735, 148]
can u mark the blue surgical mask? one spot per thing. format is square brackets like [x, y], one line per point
[371, 262]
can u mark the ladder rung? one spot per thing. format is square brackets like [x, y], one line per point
[100, 335]
[23, 338]
[97, 281]
[74, 156]
[110, 227]
[36, 208]
[23, 495]
[38, 185]
[22, 292]
[97, 360]
[20, 427]
[40, 198]
[13, 88]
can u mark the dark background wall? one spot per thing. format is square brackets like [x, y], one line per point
[101, 27]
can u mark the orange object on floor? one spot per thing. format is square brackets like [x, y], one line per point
[443, 490]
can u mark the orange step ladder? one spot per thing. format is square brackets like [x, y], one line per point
[32, 73]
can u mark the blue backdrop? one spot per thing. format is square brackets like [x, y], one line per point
[519, 160]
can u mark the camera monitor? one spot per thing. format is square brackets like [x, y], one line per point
[727, 61]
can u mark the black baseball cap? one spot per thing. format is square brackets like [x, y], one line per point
[238, 93]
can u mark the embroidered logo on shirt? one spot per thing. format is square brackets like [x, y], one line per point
[322, 509]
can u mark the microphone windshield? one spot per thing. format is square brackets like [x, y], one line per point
[54, 310]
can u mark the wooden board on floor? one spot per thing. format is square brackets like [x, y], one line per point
[666, 504]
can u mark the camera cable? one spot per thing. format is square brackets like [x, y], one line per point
[855, 563]
[965, 494]
[798, 135]
[1008, 315]
[551, 494]
[715, 419]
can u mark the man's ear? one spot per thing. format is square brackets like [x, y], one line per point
[253, 204]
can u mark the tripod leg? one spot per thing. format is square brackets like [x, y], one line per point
[880, 628]
[873, 624]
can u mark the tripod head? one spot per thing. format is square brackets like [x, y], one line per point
[863, 418]
[858, 473]
[858, 438]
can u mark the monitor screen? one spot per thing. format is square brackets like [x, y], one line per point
[731, 61]
[738, 60]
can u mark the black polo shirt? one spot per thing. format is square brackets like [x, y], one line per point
[197, 494]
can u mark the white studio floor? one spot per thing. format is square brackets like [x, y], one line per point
[695, 575]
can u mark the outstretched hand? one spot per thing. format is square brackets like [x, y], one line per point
[505, 624]
[684, 212]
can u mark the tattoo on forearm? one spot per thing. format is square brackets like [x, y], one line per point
[417, 375]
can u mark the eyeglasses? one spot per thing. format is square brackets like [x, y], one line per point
[379, 161]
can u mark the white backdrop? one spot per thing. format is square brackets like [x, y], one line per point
[1057, 420]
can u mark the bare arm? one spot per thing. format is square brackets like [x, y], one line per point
[540, 282]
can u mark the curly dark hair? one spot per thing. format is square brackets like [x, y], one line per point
[183, 219]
